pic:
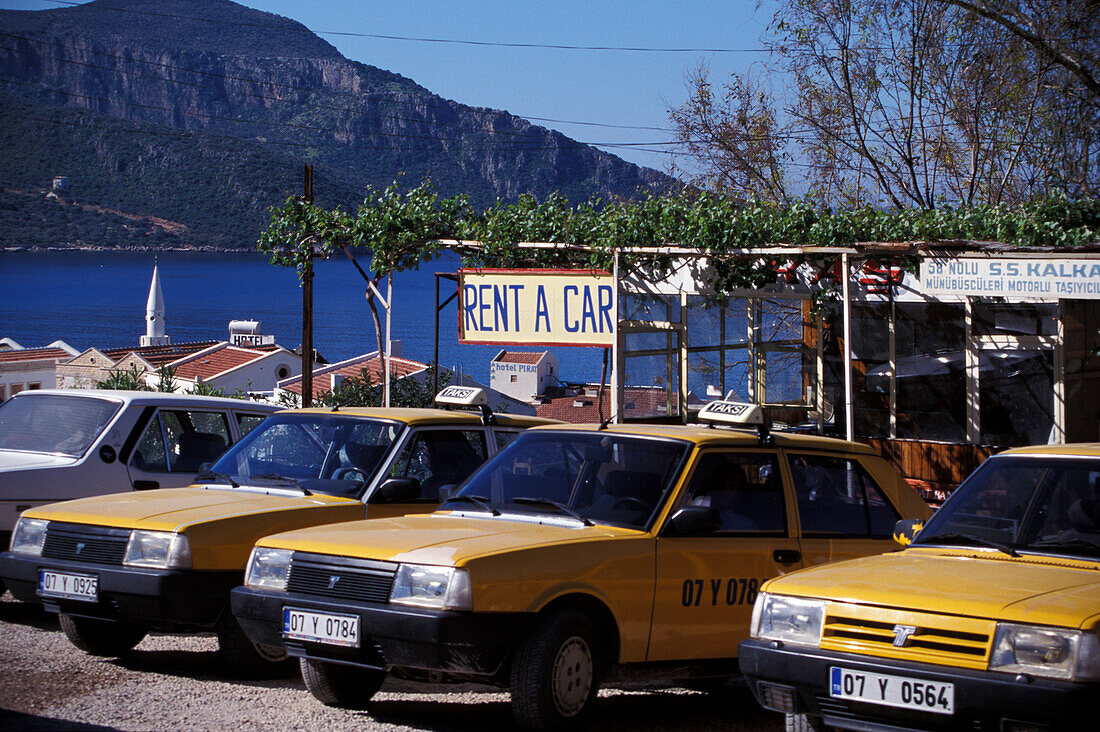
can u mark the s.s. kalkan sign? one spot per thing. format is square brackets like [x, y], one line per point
[1013, 278]
[536, 307]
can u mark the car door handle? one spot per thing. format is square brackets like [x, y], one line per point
[786, 556]
[145, 485]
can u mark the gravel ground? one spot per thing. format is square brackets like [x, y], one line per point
[172, 683]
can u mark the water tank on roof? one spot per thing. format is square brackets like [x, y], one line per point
[245, 327]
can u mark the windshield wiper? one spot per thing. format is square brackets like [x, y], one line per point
[218, 476]
[283, 479]
[479, 501]
[975, 540]
[560, 506]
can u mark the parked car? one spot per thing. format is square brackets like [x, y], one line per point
[990, 619]
[577, 555]
[61, 444]
[117, 568]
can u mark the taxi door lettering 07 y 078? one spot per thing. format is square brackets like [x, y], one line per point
[719, 590]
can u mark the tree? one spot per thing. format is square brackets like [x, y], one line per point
[132, 379]
[907, 103]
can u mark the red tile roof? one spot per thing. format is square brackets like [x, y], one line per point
[159, 355]
[209, 365]
[520, 357]
[322, 378]
[34, 354]
[583, 408]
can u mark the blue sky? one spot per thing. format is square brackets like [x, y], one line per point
[609, 87]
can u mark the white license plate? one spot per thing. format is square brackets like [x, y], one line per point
[892, 691]
[71, 586]
[338, 630]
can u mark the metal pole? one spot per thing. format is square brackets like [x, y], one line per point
[386, 351]
[849, 428]
[307, 305]
[616, 350]
[435, 352]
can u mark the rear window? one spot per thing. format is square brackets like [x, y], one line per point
[54, 424]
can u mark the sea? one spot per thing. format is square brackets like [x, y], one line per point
[97, 298]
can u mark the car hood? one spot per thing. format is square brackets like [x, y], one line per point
[979, 584]
[18, 460]
[440, 538]
[180, 509]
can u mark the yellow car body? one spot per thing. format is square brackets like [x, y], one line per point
[299, 468]
[988, 619]
[665, 580]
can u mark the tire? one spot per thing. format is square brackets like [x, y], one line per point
[337, 685]
[804, 723]
[555, 673]
[246, 659]
[101, 637]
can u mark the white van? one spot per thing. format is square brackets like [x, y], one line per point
[58, 444]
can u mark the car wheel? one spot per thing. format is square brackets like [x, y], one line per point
[555, 673]
[337, 685]
[101, 637]
[804, 723]
[246, 659]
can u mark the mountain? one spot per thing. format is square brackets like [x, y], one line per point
[180, 122]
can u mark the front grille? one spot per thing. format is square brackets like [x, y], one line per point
[93, 544]
[341, 578]
[856, 712]
[949, 640]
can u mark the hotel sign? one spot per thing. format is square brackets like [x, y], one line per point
[1053, 279]
[536, 307]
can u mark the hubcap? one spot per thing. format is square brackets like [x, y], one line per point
[271, 654]
[571, 676]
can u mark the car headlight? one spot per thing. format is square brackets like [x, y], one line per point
[268, 568]
[29, 536]
[443, 588]
[158, 549]
[1055, 653]
[789, 619]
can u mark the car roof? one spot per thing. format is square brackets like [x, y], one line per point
[419, 417]
[704, 436]
[1079, 449]
[154, 398]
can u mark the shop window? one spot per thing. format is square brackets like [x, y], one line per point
[1016, 397]
[1015, 319]
[931, 379]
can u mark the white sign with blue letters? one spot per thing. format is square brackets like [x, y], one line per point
[1013, 278]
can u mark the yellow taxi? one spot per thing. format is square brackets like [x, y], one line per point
[988, 620]
[116, 567]
[578, 555]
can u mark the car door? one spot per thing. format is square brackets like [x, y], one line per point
[842, 511]
[175, 444]
[707, 584]
[433, 457]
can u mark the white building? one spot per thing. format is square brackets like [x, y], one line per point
[30, 368]
[523, 375]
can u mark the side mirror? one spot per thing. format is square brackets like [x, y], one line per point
[906, 530]
[397, 490]
[694, 521]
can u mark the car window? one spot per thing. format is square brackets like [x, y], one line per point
[745, 489]
[440, 457]
[504, 438]
[248, 422]
[179, 441]
[838, 497]
[54, 423]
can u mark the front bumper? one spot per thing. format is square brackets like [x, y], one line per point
[983, 700]
[393, 636]
[155, 598]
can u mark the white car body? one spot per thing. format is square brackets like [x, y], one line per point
[139, 443]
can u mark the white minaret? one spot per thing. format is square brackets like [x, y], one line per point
[154, 314]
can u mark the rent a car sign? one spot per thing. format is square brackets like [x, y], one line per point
[537, 307]
[1009, 277]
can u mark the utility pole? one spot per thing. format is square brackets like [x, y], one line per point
[307, 306]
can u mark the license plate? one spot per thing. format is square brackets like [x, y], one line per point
[892, 691]
[338, 630]
[70, 586]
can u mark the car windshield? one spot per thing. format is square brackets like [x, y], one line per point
[316, 453]
[1019, 503]
[56, 424]
[587, 477]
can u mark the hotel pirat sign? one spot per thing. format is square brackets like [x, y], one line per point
[536, 307]
[1071, 279]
